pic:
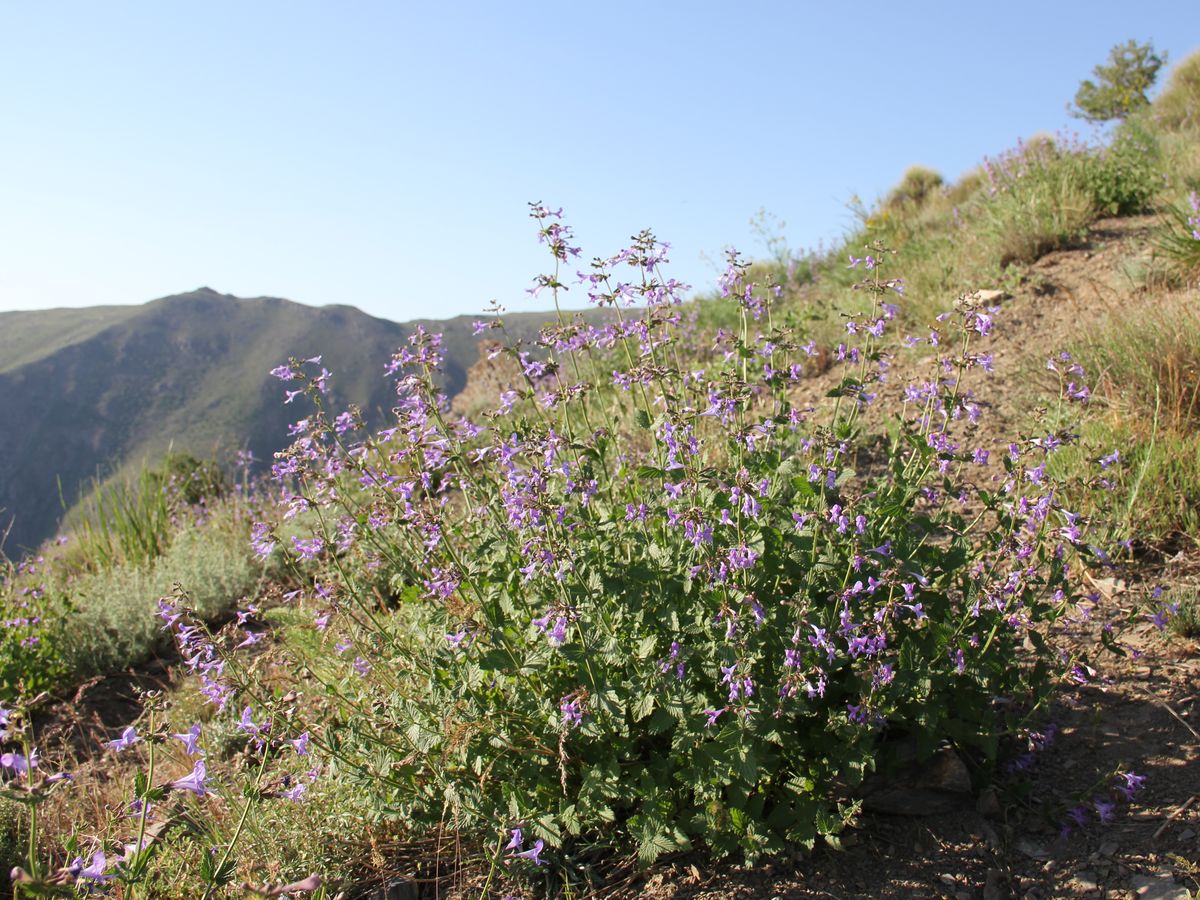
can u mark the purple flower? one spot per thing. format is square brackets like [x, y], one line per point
[194, 781]
[959, 659]
[534, 853]
[18, 762]
[1132, 784]
[516, 840]
[191, 739]
[713, 715]
[128, 738]
[260, 541]
[741, 557]
[300, 744]
[572, 712]
[94, 871]
[252, 637]
[308, 549]
[247, 723]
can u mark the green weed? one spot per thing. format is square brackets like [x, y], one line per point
[131, 521]
[114, 623]
[1177, 108]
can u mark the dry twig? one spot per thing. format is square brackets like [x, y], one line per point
[1173, 816]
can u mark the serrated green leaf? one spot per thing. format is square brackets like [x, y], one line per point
[643, 706]
[646, 646]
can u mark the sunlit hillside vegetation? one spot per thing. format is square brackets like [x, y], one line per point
[678, 576]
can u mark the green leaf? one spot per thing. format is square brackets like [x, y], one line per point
[643, 706]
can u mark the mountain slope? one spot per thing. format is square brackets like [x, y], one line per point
[86, 392]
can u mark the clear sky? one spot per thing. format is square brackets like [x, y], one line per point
[382, 154]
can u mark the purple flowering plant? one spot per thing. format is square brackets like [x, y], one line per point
[660, 593]
[1178, 240]
[157, 802]
[31, 617]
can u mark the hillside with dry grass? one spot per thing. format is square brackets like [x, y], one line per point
[871, 573]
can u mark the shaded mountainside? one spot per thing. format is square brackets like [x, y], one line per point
[89, 391]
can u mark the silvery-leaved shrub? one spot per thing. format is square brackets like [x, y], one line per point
[662, 595]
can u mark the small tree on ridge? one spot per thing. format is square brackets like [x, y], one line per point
[1121, 85]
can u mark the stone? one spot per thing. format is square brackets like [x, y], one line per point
[989, 297]
[988, 803]
[1031, 849]
[995, 887]
[1110, 587]
[1158, 887]
[1085, 881]
[938, 786]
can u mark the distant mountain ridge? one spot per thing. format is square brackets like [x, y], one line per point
[89, 391]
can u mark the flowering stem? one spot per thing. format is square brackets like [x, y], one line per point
[237, 832]
[33, 817]
[145, 801]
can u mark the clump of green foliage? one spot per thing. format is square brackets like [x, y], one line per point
[31, 647]
[917, 186]
[1121, 85]
[1178, 241]
[1039, 201]
[1186, 621]
[1124, 177]
[113, 623]
[1148, 388]
[654, 603]
[85, 605]
[131, 521]
[1177, 108]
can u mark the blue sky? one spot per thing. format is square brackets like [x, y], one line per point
[382, 154]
